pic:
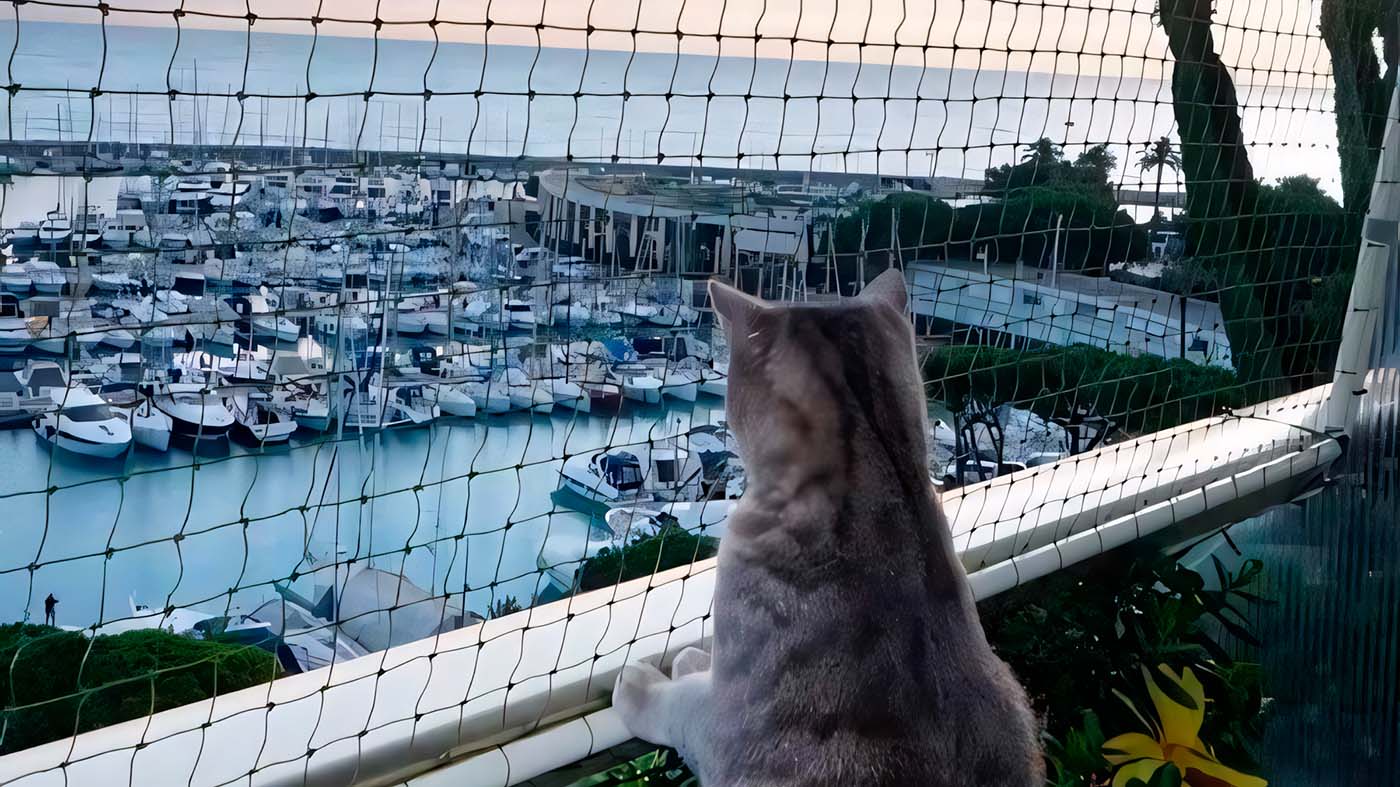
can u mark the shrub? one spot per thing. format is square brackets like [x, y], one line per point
[58, 683]
[671, 547]
[1141, 393]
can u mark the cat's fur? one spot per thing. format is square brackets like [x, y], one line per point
[847, 649]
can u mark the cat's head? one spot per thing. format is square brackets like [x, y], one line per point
[803, 374]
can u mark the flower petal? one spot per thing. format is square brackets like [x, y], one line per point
[1180, 725]
[1207, 772]
[1131, 746]
[1139, 769]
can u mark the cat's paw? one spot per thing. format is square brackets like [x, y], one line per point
[635, 696]
[689, 661]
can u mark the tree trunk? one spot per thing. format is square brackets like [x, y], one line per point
[1220, 190]
[1362, 94]
[1157, 195]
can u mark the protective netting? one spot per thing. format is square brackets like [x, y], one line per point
[338, 328]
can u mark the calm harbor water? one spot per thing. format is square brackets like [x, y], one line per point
[463, 503]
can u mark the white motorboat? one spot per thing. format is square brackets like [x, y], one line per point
[454, 399]
[570, 314]
[308, 407]
[347, 320]
[637, 382]
[87, 230]
[113, 282]
[413, 323]
[227, 195]
[126, 229]
[150, 427]
[258, 422]
[117, 338]
[78, 420]
[714, 379]
[677, 382]
[517, 315]
[568, 394]
[434, 320]
[525, 394]
[14, 277]
[631, 474]
[46, 276]
[373, 405]
[15, 334]
[272, 326]
[673, 316]
[196, 412]
[491, 396]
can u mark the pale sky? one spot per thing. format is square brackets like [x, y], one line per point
[1103, 36]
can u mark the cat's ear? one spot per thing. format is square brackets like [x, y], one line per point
[888, 288]
[733, 306]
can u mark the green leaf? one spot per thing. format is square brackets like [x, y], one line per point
[1220, 573]
[1166, 776]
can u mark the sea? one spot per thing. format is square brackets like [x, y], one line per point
[459, 507]
[598, 103]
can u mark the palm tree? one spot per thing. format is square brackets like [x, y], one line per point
[1161, 155]
[1042, 151]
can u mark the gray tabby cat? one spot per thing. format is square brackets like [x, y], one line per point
[847, 649]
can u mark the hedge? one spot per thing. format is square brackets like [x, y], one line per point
[1142, 393]
[57, 683]
[673, 546]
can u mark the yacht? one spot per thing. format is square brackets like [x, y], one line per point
[525, 394]
[228, 195]
[46, 276]
[673, 316]
[25, 237]
[632, 474]
[268, 323]
[569, 314]
[568, 394]
[517, 315]
[454, 399]
[113, 282]
[77, 420]
[714, 379]
[308, 406]
[374, 405]
[150, 428]
[197, 413]
[15, 334]
[127, 228]
[87, 231]
[14, 277]
[258, 422]
[677, 381]
[637, 382]
[491, 396]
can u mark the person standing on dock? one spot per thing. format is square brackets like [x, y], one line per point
[50, 619]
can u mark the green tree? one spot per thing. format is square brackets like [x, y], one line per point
[1296, 194]
[1362, 94]
[1097, 162]
[1042, 151]
[1160, 156]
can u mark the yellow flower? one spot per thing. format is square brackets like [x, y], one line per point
[1178, 741]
